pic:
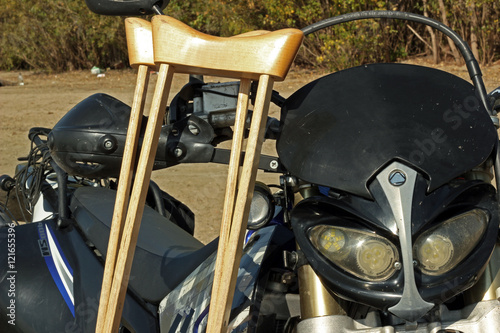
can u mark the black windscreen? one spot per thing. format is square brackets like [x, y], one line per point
[339, 130]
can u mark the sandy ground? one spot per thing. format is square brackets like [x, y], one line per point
[45, 98]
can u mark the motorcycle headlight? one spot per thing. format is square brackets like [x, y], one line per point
[441, 248]
[365, 255]
[261, 208]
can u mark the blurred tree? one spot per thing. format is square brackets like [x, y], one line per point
[58, 35]
[62, 35]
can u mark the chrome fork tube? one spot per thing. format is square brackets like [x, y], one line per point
[315, 300]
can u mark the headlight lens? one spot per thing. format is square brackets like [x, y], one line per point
[441, 248]
[365, 255]
[261, 208]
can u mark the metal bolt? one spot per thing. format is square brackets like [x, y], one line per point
[292, 181]
[178, 152]
[397, 265]
[288, 278]
[274, 164]
[397, 178]
[108, 144]
[193, 129]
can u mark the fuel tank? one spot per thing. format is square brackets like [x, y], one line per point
[50, 281]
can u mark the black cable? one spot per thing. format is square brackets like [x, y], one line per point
[4, 210]
[30, 178]
[470, 61]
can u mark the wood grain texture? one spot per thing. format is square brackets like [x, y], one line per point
[245, 56]
[233, 231]
[140, 50]
[122, 194]
[235, 157]
[260, 55]
[138, 199]
[231, 188]
[139, 42]
[253, 33]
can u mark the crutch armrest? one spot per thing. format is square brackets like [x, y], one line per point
[243, 56]
[139, 42]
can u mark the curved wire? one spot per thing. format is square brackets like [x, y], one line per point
[470, 61]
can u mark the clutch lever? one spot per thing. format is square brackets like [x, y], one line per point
[276, 98]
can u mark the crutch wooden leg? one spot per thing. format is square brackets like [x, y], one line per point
[235, 157]
[229, 251]
[140, 47]
[137, 199]
[255, 56]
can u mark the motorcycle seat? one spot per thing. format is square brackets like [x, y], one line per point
[165, 254]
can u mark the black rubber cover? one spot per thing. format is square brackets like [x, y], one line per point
[165, 254]
[339, 130]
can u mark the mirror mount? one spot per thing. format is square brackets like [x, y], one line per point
[127, 7]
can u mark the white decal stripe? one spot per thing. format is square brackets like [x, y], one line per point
[62, 270]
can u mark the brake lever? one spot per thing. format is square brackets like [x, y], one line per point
[277, 99]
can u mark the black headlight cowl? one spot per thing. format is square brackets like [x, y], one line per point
[474, 197]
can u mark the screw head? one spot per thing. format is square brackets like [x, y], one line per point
[397, 178]
[178, 152]
[108, 144]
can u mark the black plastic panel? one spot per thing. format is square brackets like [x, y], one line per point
[429, 211]
[165, 254]
[339, 130]
[89, 140]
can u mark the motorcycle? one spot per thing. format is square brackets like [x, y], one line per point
[385, 218]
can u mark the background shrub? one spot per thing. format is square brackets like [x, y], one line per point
[57, 35]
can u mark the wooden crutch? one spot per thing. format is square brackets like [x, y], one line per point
[140, 52]
[178, 48]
